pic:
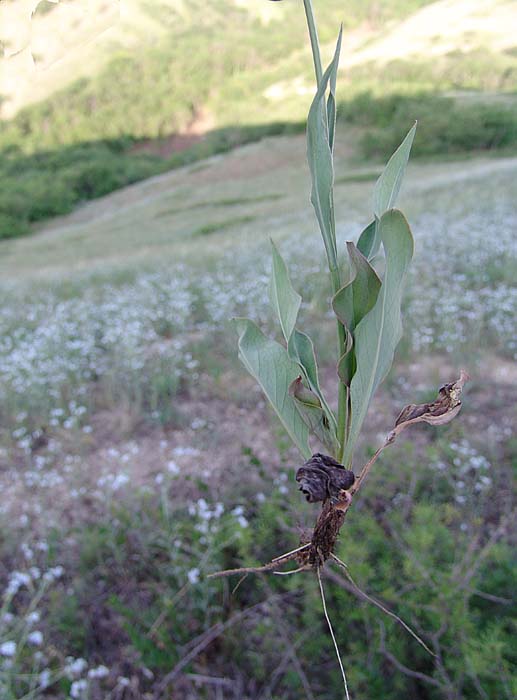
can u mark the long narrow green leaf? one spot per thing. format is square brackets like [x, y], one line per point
[301, 350]
[368, 242]
[378, 334]
[346, 364]
[268, 362]
[331, 100]
[385, 195]
[284, 300]
[313, 415]
[388, 185]
[319, 155]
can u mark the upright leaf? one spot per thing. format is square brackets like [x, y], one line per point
[284, 300]
[368, 242]
[331, 100]
[268, 362]
[378, 334]
[301, 350]
[385, 195]
[346, 363]
[319, 155]
[313, 415]
[388, 185]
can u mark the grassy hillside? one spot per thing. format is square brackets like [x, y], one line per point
[168, 83]
[186, 51]
[238, 63]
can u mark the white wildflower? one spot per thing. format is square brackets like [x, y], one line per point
[193, 576]
[45, 678]
[33, 617]
[173, 468]
[8, 649]
[35, 638]
[75, 667]
[78, 688]
[98, 672]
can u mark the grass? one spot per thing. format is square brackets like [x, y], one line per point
[208, 229]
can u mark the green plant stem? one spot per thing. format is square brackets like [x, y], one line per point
[342, 416]
[313, 34]
[342, 420]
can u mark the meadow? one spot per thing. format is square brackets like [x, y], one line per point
[137, 456]
[145, 164]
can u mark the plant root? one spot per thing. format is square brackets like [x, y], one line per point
[320, 548]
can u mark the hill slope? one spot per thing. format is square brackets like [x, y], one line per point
[231, 60]
[132, 90]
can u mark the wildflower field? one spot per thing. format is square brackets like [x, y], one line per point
[136, 456]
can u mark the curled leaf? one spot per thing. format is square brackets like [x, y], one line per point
[442, 410]
[313, 414]
[356, 298]
[321, 477]
[378, 333]
[301, 350]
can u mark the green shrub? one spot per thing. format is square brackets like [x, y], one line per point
[38, 186]
[445, 125]
[12, 226]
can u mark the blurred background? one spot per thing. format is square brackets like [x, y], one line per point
[149, 150]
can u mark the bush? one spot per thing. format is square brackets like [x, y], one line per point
[12, 226]
[36, 187]
[445, 125]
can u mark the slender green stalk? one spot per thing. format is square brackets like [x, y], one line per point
[315, 45]
[342, 420]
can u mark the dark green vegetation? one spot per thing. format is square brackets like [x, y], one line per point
[410, 543]
[79, 143]
[48, 183]
[36, 186]
[445, 125]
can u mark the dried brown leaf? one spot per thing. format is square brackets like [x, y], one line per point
[442, 410]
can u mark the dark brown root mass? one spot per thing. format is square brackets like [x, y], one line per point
[324, 536]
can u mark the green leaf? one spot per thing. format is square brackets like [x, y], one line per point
[378, 334]
[355, 299]
[313, 414]
[319, 155]
[268, 362]
[388, 185]
[331, 100]
[368, 242]
[284, 300]
[346, 364]
[301, 350]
